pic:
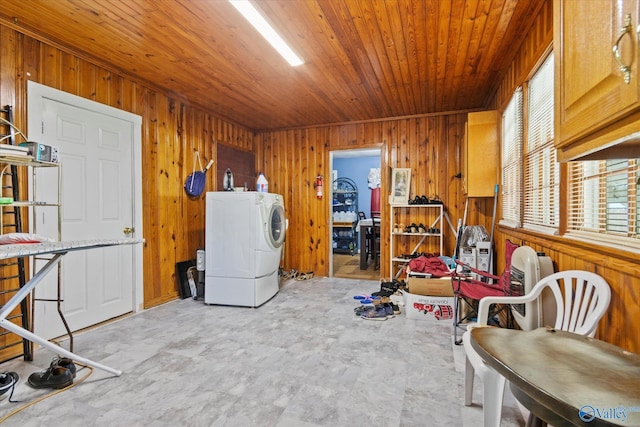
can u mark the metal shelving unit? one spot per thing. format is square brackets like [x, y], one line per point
[17, 207]
[345, 200]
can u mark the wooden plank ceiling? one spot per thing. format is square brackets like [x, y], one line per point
[364, 59]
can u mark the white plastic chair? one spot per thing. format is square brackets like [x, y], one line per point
[581, 297]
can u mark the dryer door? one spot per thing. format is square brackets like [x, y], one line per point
[276, 226]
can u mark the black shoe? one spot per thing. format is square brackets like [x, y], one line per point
[8, 381]
[387, 289]
[54, 377]
[395, 308]
[65, 362]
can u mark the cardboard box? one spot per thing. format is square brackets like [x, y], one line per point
[469, 256]
[432, 287]
[430, 308]
[484, 258]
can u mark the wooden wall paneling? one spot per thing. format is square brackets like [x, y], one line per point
[31, 53]
[279, 143]
[69, 78]
[190, 210]
[184, 225]
[106, 87]
[90, 85]
[317, 165]
[166, 199]
[418, 158]
[398, 138]
[274, 170]
[8, 59]
[8, 65]
[173, 226]
[272, 159]
[149, 200]
[277, 168]
[210, 142]
[536, 41]
[305, 215]
[23, 57]
[619, 326]
[451, 185]
[242, 163]
[623, 319]
[433, 140]
[312, 219]
[175, 189]
[151, 222]
[323, 138]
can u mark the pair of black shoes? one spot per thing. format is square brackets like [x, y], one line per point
[60, 374]
[424, 200]
[389, 288]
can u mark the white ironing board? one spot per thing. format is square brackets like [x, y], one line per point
[58, 250]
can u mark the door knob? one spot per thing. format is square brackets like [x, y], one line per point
[127, 230]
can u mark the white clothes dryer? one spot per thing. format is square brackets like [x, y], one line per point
[244, 234]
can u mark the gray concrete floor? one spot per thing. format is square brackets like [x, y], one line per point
[302, 359]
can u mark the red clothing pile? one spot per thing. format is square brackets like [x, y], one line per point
[432, 265]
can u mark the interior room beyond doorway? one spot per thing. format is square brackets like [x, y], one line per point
[355, 179]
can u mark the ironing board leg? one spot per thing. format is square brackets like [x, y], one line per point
[12, 327]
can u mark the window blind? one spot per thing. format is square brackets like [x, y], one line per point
[512, 135]
[541, 171]
[603, 200]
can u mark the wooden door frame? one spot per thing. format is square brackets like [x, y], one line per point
[366, 151]
[36, 91]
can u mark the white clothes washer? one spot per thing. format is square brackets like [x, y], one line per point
[244, 235]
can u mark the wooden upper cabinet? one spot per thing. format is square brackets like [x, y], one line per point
[481, 154]
[597, 104]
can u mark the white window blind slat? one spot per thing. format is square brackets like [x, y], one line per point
[541, 170]
[512, 139]
[603, 199]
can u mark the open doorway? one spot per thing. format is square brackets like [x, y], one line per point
[355, 193]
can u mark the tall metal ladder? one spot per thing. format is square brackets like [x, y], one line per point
[12, 271]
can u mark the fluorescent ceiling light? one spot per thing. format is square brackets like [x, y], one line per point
[252, 15]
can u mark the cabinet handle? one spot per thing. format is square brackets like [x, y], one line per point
[624, 68]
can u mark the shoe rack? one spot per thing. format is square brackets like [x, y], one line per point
[415, 228]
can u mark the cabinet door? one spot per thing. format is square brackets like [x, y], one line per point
[591, 91]
[481, 156]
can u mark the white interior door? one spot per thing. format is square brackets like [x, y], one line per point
[97, 175]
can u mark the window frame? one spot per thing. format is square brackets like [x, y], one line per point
[521, 173]
[629, 241]
[600, 234]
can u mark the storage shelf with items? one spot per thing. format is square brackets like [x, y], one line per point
[414, 229]
[345, 216]
[17, 207]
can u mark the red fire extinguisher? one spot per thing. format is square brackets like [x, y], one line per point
[318, 184]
